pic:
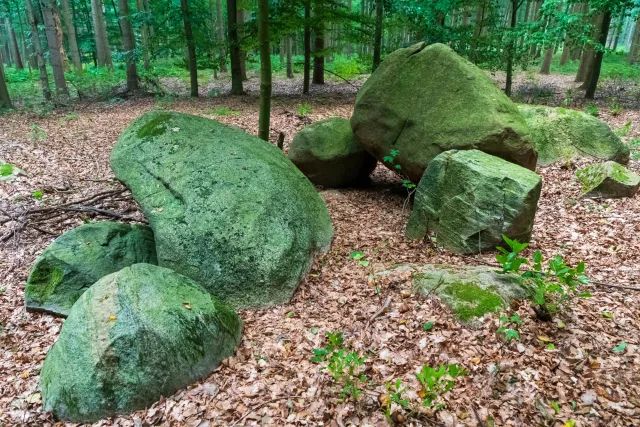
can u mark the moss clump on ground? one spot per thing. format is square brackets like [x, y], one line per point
[471, 301]
[155, 127]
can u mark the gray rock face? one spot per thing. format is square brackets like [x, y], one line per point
[81, 256]
[470, 199]
[327, 153]
[136, 335]
[227, 209]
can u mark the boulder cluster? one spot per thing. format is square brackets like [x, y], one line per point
[233, 223]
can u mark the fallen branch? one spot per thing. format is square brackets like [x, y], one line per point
[381, 310]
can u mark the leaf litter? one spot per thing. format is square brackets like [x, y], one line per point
[581, 369]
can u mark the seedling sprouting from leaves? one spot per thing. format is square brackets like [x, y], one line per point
[391, 158]
[620, 347]
[394, 394]
[436, 382]
[304, 110]
[359, 256]
[428, 326]
[344, 366]
[37, 195]
[510, 259]
[509, 327]
[36, 133]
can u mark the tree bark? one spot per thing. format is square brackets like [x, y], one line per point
[546, 62]
[191, 47]
[287, 45]
[71, 35]
[5, 100]
[635, 44]
[234, 48]
[129, 45]
[100, 31]
[318, 58]
[511, 49]
[35, 36]
[596, 66]
[307, 47]
[13, 41]
[144, 34]
[220, 27]
[243, 54]
[378, 35]
[265, 70]
[589, 51]
[49, 13]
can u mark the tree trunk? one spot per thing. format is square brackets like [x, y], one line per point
[511, 49]
[635, 44]
[307, 47]
[234, 48]
[100, 30]
[378, 35]
[144, 34]
[566, 50]
[191, 47]
[594, 73]
[265, 70]
[287, 45]
[589, 52]
[129, 45]
[318, 57]
[243, 54]
[49, 13]
[35, 36]
[546, 62]
[5, 100]
[220, 27]
[13, 42]
[67, 16]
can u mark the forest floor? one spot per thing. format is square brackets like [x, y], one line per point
[271, 379]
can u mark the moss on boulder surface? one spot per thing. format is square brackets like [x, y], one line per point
[470, 199]
[136, 335]
[227, 209]
[81, 256]
[424, 100]
[469, 291]
[327, 153]
[561, 134]
[608, 180]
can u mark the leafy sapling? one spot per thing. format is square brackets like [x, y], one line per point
[436, 382]
[509, 327]
[391, 158]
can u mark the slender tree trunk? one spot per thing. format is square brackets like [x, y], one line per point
[265, 69]
[89, 27]
[100, 30]
[511, 49]
[191, 47]
[67, 16]
[5, 100]
[234, 48]
[594, 74]
[220, 27]
[59, 35]
[243, 53]
[35, 36]
[307, 47]
[546, 62]
[318, 57]
[287, 46]
[144, 34]
[378, 35]
[589, 52]
[50, 12]
[566, 50]
[635, 44]
[129, 45]
[13, 41]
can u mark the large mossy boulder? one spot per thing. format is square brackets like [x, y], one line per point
[608, 180]
[136, 335]
[469, 291]
[424, 100]
[327, 153]
[227, 209]
[81, 256]
[470, 199]
[561, 134]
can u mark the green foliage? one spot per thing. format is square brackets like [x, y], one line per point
[391, 158]
[436, 382]
[592, 110]
[38, 194]
[509, 327]
[359, 256]
[344, 366]
[6, 169]
[615, 109]
[304, 110]
[36, 133]
[624, 129]
[620, 347]
[634, 147]
[551, 288]
[69, 117]
[428, 326]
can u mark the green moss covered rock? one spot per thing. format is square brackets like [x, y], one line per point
[608, 180]
[81, 256]
[424, 100]
[470, 199]
[327, 153]
[227, 209]
[561, 134]
[469, 291]
[136, 335]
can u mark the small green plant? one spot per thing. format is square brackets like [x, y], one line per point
[345, 366]
[36, 133]
[359, 256]
[69, 117]
[395, 392]
[615, 109]
[6, 169]
[223, 111]
[509, 327]
[436, 382]
[391, 158]
[38, 194]
[592, 110]
[624, 129]
[551, 288]
[304, 110]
